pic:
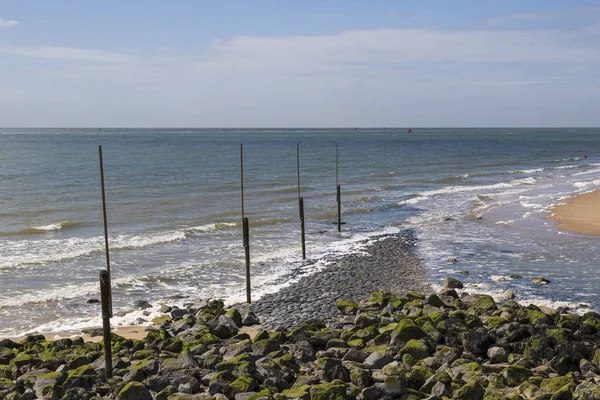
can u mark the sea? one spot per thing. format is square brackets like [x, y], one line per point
[174, 213]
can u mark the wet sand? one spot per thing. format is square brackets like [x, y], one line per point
[579, 214]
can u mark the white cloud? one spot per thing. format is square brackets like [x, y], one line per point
[7, 23]
[381, 77]
[68, 53]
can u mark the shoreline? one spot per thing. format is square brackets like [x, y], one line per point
[579, 214]
[387, 264]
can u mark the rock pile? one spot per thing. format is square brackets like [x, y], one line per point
[413, 346]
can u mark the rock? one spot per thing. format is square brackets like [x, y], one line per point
[472, 390]
[92, 301]
[134, 391]
[394, 387]
[514, 375]
[497, 355]
[250, 319]
[452, 283]
[235, 316]
[142, 304]
[378, 360]
[506, 295]
[347, 307]
[540, 281]
[452, 260]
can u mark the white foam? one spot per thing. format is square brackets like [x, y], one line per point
[213, 227]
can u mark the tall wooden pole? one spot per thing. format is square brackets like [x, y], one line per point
[300, 203]
[245, 229]
[105, 300]
[110, 308]
[338, 191]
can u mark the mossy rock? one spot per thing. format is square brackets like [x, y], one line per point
[388, 327]
[361, 378]
[241, 385]
[300, 392]
[143, 354]
[471, 390]
[483, 304]
[347, 307]
[596, 359]
[23, 359]
[156, 336]
[335, 390]
[160, 319]
[6, 384]
[559, 334]
[235, 315]
[7, 371]
[406, 330]
[415, 295]
[134, 391]
[380, 298]
[357, 343]
[261, 335]
[540, 281]
[552, 385]
[205, 338]
[416, 348]
[494, 321]
[515, 374]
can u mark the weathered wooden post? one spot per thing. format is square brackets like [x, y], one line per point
[300, 203]
[110, 308]
[245, 228]
[338, 191]
[105, 300]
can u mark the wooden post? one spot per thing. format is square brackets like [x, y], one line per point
[300, 203]
[110, 308]
[338, 191]
[105, 299]
[245, 229]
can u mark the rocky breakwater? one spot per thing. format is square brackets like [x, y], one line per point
[414, 346]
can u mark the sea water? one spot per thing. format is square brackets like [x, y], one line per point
[174, 213]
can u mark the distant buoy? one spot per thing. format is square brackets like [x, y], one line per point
[585, 156]
[409, 131]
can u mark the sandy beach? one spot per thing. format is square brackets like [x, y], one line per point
[579, 214]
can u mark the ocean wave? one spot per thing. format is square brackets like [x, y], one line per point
[35, 252]
[214, 227]
[32, 230]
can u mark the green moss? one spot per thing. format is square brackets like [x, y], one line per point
[388, 327]
[415, 295]
[515, 374]
[483, 304]
[346, 306]
[558, 334]
[7, 371]
[242, 384]
[552, 385]
[300, 392]
[407, 330]
[471, 390]
[356, 343]
[235, 315]
[380, 298]
[160, 319]
[262, 335]
[335, 390]
[415, 348]
[494, 322]
[205, 338]
[6, 384]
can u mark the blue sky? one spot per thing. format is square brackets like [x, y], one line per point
[310, 63]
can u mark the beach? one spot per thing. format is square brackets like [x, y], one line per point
[579, 214]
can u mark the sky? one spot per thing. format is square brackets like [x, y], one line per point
[302, 63]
